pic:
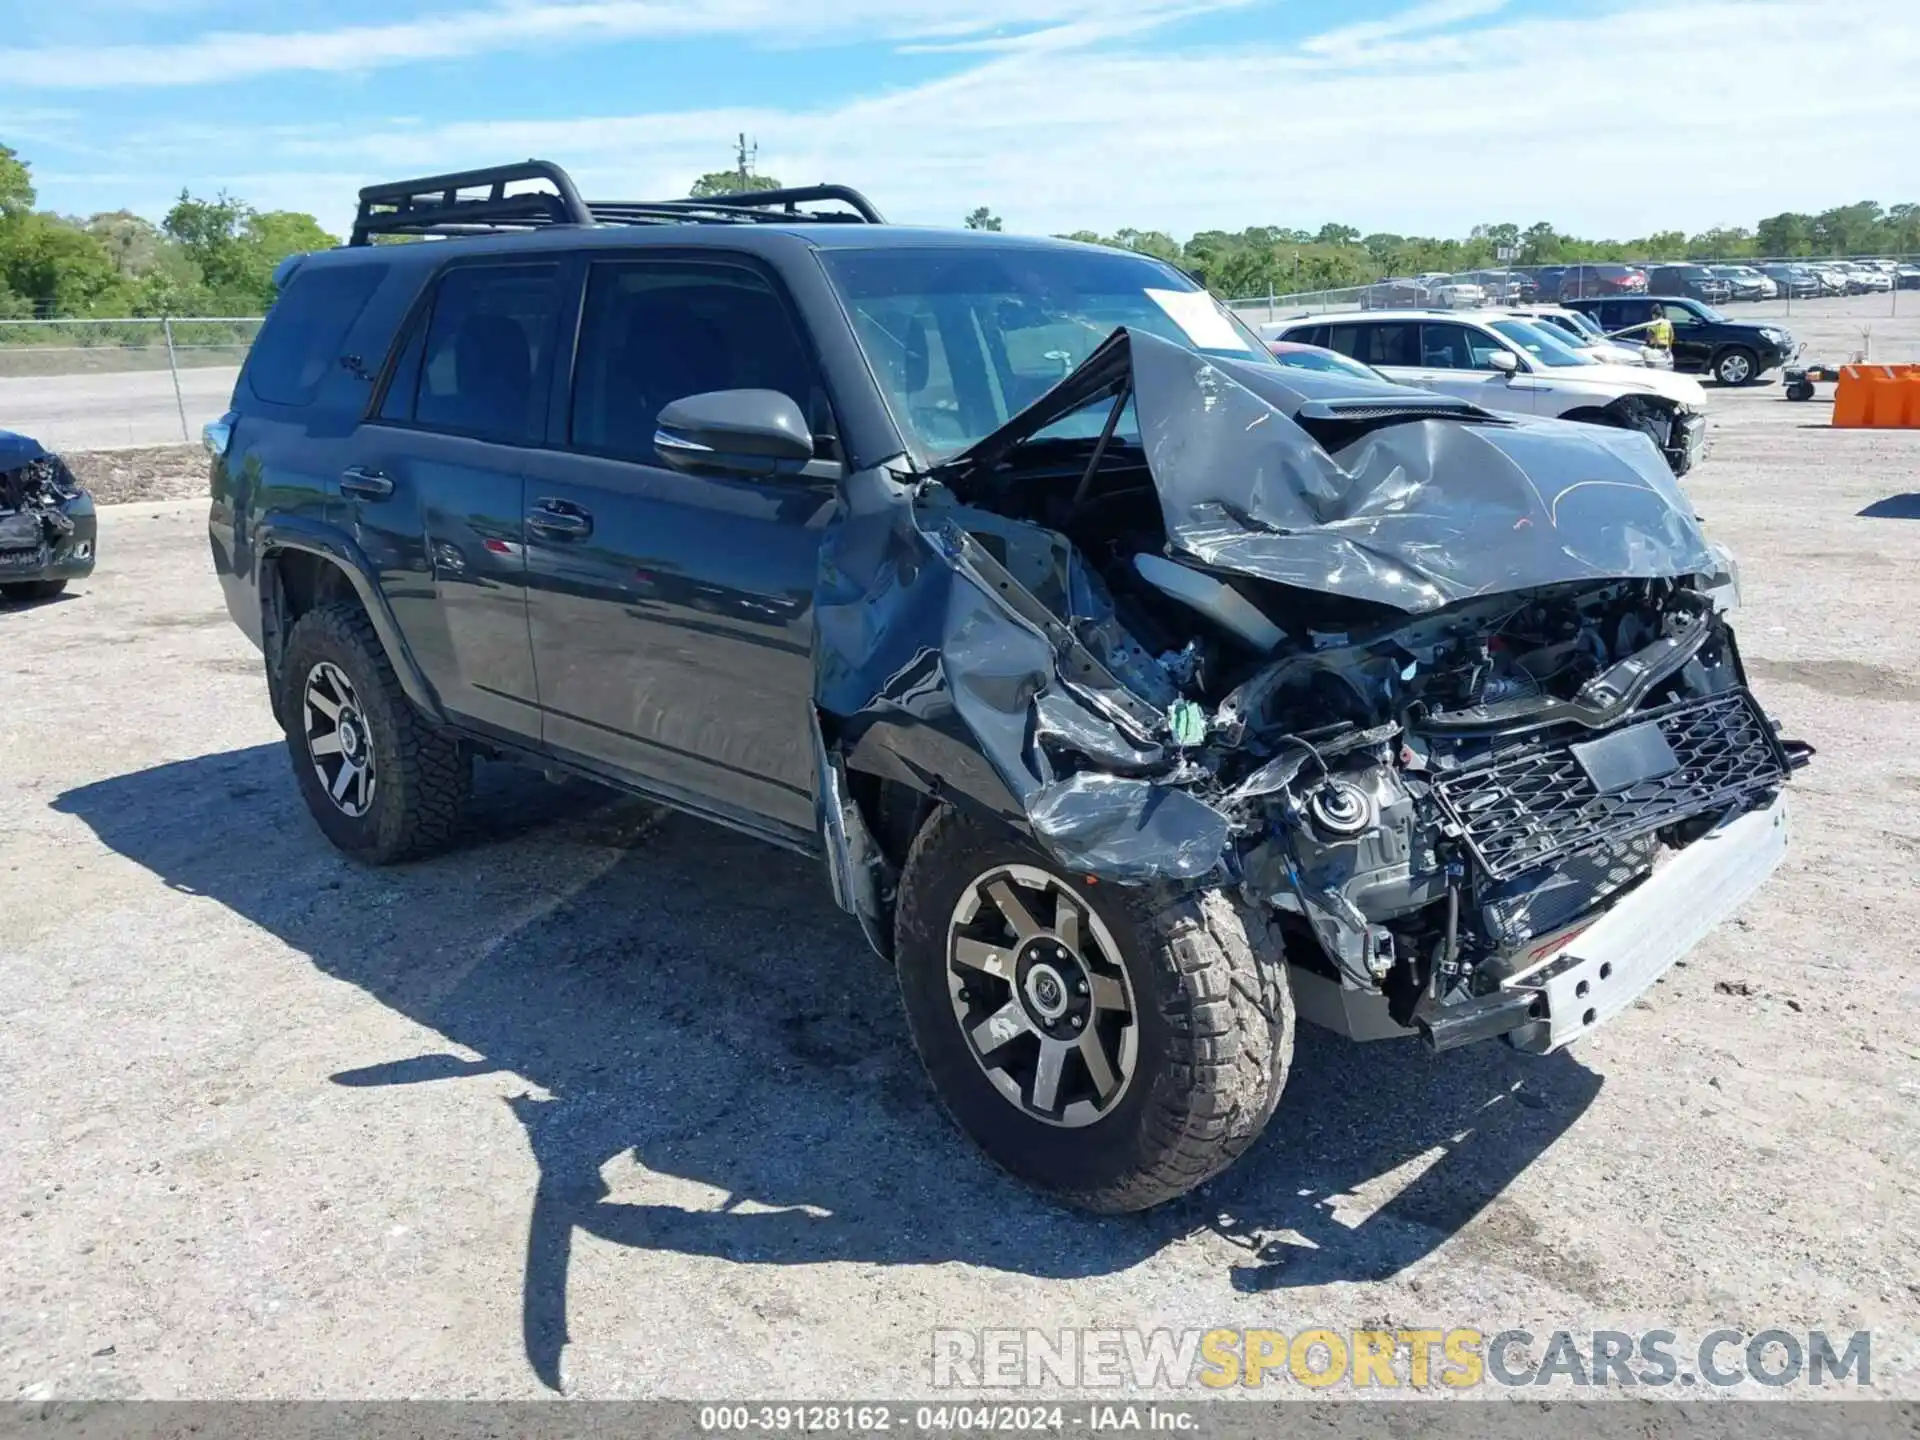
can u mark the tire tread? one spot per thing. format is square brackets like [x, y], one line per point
[429, 770]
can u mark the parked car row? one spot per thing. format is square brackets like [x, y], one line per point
[1583, 360]
[1718, 284]
[1509, 364]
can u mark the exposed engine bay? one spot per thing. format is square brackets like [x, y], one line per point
[32, 500]
[1434, 688]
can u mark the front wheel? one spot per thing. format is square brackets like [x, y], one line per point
[1112, 1046]
[1735, 366]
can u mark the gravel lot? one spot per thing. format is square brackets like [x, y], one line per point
[630, 1111]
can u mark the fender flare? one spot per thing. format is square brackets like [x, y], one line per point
[286, 532]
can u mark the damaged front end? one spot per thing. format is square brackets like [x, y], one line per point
[47, 523]
[1453, 697]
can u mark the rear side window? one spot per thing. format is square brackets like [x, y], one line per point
[1381, 343]
[489, 351]
[301, 339]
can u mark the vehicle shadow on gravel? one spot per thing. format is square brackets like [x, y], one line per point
[722, 1069]
[1893, 507]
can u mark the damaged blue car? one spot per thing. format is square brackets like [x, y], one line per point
[1139, 695]
[47, 523]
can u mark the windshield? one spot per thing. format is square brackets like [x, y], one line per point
[1540, 342]
[1707, 312]
[963, 338]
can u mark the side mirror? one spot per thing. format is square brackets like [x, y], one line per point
[734, 432]
[1505, 361]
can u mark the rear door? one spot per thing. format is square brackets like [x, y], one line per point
[672, 614]
[436, 483]
[1618, 315]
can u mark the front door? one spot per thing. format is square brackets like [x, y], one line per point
[672, 615]
[1691, 349]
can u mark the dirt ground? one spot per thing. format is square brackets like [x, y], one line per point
[621, 1111]
[156, 472]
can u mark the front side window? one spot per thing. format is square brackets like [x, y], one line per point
[489, 347]
[658, 331]
[963, 338]
[1455, 347]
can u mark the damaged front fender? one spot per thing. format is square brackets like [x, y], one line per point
[938, 668]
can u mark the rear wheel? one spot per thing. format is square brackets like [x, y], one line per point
[33, 589]
[380, 780]
[1111, 1046]
[1735, 366]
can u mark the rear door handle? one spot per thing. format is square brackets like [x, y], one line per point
[369, 484]
[560, 517]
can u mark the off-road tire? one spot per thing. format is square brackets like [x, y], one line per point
[1738, 354]
[33, 589]
[423, 775]
[1215, 1015]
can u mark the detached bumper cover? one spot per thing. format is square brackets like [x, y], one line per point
[1605, 968]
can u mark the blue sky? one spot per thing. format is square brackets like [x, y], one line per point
[1606, 117]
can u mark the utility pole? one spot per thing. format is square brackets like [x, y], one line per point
[746, 155]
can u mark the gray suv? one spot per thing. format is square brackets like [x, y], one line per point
[1136, 694]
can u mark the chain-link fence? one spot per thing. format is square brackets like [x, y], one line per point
[102, 384]
[1862, 288]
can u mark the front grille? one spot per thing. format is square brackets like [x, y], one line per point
[1539, 807]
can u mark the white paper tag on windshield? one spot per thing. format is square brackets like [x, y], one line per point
[1196, 313]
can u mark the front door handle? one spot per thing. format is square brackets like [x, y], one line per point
[560, 517]
[368, 484]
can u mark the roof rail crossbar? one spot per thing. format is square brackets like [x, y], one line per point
[433, 205]
[790, 199]
[421, 207]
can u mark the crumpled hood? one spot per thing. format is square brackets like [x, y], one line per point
[1415, 514]
[17, 450]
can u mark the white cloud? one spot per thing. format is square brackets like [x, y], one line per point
[1433, 15]
[235, 55]
[1615, 120]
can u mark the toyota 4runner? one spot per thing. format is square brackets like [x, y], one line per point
[1138, 693]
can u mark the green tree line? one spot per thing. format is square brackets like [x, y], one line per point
[217, 256]
[1267, 259]
[207, 257]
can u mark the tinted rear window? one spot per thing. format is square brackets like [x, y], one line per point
[304, 331]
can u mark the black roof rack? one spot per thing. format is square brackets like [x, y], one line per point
[435, 205]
